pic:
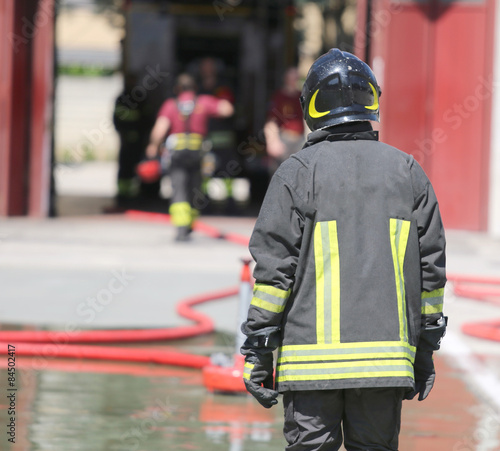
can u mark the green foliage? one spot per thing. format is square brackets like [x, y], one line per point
[85, 71]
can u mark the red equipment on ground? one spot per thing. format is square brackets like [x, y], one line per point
[229, 377]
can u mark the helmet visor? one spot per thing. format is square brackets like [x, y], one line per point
[331, 96]
[364, 93]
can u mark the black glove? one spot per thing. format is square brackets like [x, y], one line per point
[424, 375]
[258, 378]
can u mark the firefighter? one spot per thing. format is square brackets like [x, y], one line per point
[133, 123]
[350, 273]
[221, 131]
[185, 119]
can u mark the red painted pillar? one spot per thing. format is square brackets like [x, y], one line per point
[42, 108]
[6, 56]
[26, 85]
[433, 60]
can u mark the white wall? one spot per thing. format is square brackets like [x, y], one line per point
[84, 117]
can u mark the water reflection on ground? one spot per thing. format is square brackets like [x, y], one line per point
[78, 405]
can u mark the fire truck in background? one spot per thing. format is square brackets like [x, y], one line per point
[252, 43]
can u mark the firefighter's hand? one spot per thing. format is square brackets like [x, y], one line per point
[275, 148]
[258, 378]
[152, 151]
[424, 375]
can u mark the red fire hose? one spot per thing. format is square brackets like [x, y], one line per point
[199, 226]
[486, 289]
[56, 343]
[203, 325]
[60, 343]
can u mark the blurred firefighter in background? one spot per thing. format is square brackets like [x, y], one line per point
[284, 129]
[221, 131]
[185, 120]
[210, 81]
[133, 121]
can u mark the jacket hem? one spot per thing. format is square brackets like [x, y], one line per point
[347, 383]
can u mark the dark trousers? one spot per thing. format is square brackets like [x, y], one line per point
[370, 419]
[187, 197]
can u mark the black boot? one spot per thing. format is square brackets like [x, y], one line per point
[183, 233]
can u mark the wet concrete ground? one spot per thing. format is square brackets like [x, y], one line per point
[49, 268]
[103, 406]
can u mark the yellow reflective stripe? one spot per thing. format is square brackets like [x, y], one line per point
[269, 298]
[194, 141]
[267, 305]
[247, 369]
[334, 281]
[327, 281]
[347, 351]
[312, 107]
[320, 288]
[359, 345]
[374, 105]
[180, 142]
[344, 365]
[191, 141]
[432, 301]
[356, 356]
[431, 309]
[344, 370]
[399, 233]
[181, 214]
[433, 294]
[326, 255]
[269, 289]
[403, 244]
[336, 376]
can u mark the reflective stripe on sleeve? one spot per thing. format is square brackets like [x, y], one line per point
[432, 301]
[247, 370]
[269, 298]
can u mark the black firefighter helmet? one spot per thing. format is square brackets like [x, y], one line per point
[339, 88]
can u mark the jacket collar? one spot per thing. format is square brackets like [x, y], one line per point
[343, 132]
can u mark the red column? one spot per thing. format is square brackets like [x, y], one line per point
[6, 29]
[21, 46]
[26, 84]
[433, 60]
[42, 108]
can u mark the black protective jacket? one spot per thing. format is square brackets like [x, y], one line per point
[350, 263]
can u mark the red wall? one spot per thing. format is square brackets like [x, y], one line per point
[435, 62]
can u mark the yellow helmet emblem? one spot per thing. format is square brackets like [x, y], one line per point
[374, 105]
[312, 107]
